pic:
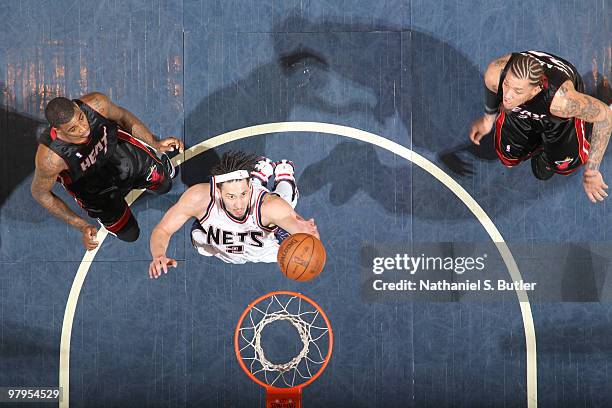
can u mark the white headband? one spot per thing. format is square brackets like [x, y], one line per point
[234, 175]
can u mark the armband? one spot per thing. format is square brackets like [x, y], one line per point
[492, 102]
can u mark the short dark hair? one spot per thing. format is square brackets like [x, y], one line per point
[235, 160]
[59, 110]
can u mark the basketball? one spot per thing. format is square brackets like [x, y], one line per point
[301, 257]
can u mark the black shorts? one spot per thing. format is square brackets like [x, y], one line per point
[564, 150]
[132, 166]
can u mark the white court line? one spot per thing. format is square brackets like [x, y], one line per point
[317, 127]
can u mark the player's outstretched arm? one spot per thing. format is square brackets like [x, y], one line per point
[483, 125]
[48, 167]
[192, 203]
[128, 121]
[569, 103]
[276, 211]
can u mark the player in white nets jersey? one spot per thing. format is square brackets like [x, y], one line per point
[237, 219]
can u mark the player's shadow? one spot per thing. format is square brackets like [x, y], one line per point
[344, 170]
[437, 101]
[17, 151]
[305, 73]
[197, 169]
[21, 341]
[250, 101]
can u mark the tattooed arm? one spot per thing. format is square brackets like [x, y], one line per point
[48, 167]
[569, 103]
[128, 121]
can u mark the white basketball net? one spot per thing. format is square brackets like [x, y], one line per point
[311, 328]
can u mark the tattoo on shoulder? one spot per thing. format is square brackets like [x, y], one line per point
[578, 106]
[98, 104]
[97, 101]
[500, 62]
[52, 162]
[563, 90]
[571, 108]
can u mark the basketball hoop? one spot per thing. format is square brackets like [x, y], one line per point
[284, 381]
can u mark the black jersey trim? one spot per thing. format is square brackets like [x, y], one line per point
[584, 146]
[211, 204]
[125, 136]
[258, 204]
[499, 123]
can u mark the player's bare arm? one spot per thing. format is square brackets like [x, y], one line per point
[128, 121]
[276, 211]
[483, 125]
[193, 203]
[48, 167]
[569, 103]
[493, 72]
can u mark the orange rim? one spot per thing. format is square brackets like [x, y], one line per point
[246, 311]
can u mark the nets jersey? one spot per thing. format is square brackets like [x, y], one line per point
[235, 241]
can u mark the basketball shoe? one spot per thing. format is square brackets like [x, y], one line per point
[264, 169]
